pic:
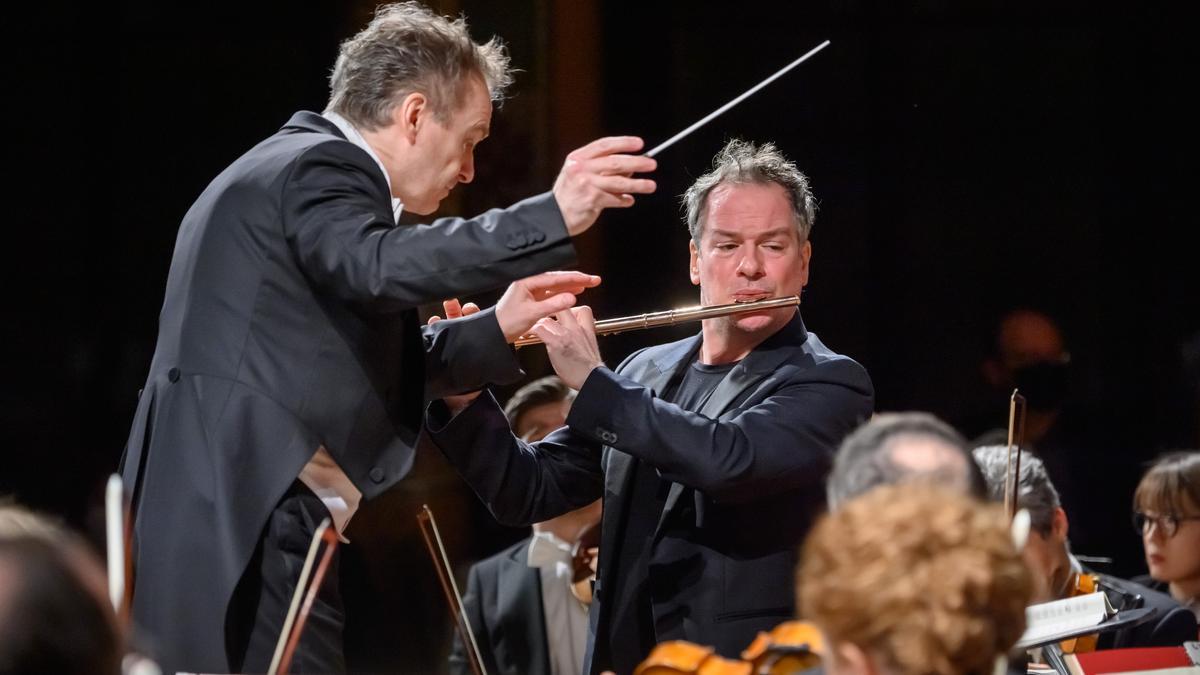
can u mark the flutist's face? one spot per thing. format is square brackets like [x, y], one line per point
[750, 250]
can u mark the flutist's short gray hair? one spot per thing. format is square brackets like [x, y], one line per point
[408, 48]
[741, 162]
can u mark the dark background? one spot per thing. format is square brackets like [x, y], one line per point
[968, 158]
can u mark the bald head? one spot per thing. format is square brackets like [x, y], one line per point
[899, 448]
[1026, 337]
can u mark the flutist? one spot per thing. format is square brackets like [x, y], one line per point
[709, 453]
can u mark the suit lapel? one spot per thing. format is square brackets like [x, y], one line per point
[518, 598]
[655, 374]
[758, 365]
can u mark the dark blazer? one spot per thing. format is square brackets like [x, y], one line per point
[289, 322]
[747, 473]
[503, 603]
[1172, 623]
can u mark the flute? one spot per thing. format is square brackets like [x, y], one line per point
[673, 316]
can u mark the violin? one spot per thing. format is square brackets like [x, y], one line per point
[1084, 583]
[583, 563]
[790, 647]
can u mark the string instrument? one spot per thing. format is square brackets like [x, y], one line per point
[583, 564]
[790, 647]
[441, 563]
[1082, 584]
[307, 587]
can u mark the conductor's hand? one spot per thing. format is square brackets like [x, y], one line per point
[532, 298]
[570, 338]
[455, 310]
[598, 176]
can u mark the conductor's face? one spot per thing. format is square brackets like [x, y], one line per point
[443, 150]
[750, 250]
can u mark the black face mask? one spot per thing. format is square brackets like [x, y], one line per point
[1043, 384]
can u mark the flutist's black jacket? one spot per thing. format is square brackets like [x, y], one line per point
[289, 322]
[747, 474]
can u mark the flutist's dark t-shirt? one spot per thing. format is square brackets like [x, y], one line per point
[633, 620]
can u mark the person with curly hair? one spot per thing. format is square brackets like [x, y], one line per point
[913, 578]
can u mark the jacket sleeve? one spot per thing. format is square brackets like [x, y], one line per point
[467, 354]
[783, 441]
[520, 483]
[337, 224]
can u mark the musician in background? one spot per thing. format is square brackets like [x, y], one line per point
[55, 614]
[1056, 571]
[1167, 507]
[900, 448]
[522, 603]
[913, 579]
[710, 452]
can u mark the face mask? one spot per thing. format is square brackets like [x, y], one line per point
[1043, 384]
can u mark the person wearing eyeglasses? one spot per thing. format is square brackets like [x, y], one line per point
[1167, 514]
[1056, 570]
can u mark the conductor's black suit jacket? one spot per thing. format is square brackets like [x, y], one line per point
[747, 474]
[289, 322]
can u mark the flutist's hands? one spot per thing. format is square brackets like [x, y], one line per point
[598, 176]
[532, 298]
[570, 338]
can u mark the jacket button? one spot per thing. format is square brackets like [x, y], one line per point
[539, 237]
[376, 475]
[173, 375]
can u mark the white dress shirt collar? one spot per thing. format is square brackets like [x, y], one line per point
[354, 136]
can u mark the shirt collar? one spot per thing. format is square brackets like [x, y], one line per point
[546, 550]
[352, 134]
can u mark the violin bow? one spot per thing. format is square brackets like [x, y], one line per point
[1016, 436]
[118, 541]
[441, 563]
[297, 616]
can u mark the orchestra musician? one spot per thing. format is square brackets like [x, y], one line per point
[1057, 572]
[291, 370]
[1167, 508]
[709, 452]
[902, 447]
[914, 579]
[522, 604]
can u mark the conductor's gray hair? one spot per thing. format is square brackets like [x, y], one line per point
[1035, 492]
[407, 48]
[743, 162]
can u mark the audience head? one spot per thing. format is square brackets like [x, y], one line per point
[914, 579]
[902, 447]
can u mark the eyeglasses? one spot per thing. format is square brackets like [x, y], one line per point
[1167, 524]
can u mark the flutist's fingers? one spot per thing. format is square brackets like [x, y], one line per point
[597, 176]
[570, 341]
